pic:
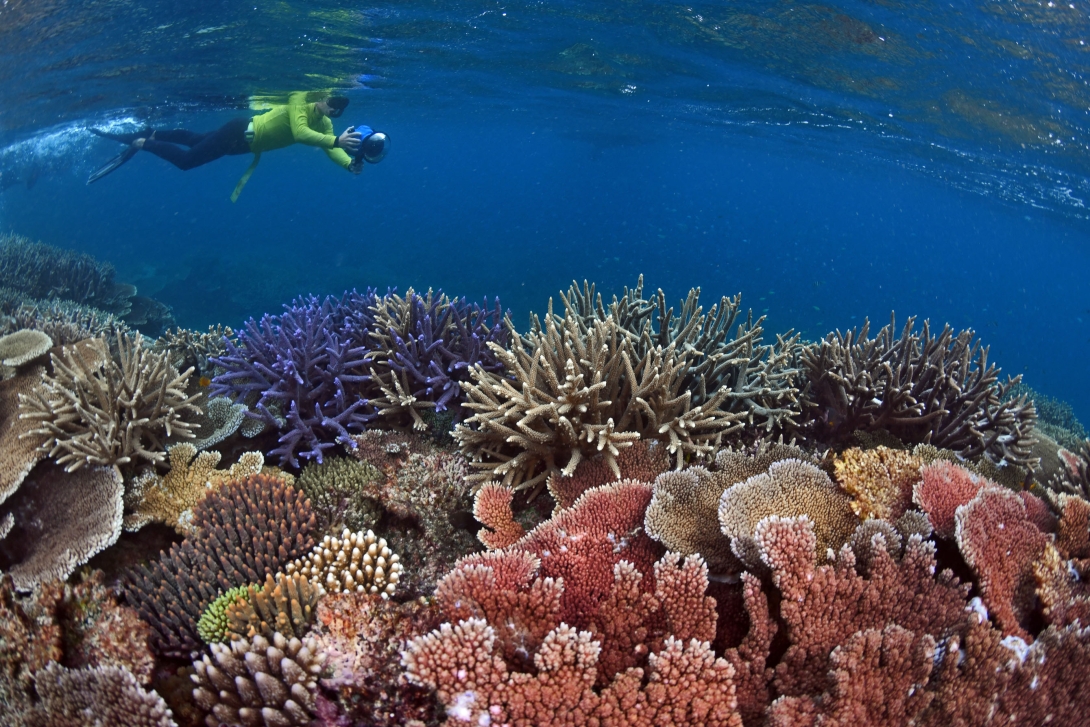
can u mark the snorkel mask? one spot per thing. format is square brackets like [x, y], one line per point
[374, 146]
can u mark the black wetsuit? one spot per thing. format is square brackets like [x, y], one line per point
[228, 140]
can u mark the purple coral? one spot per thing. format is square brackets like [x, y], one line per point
[301, 370]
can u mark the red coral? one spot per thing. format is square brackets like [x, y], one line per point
[492, 508]
[944, 487]
[1001, 545]
[823, 606]
[879, 679]
[1050, 684]
[643, 461]
[1038, 512]
[1073, 531]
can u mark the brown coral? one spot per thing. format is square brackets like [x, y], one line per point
[259, 681]
[20, 449]
[880, 480]
[283, 604]
[790, 488]
[93, 410]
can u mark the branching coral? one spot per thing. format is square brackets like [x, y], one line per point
[96, 411]
[342, 491]
[259, 681]
[284, 604]
[359, 562]
[762, 380]
[64, 321]
[920, 387]
[194, 349]
[244, 531]
[572, 391]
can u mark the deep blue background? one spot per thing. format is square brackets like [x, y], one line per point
[512, 204]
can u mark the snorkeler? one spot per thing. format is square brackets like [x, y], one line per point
[294, 122]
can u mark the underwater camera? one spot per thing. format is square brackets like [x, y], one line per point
[374, 146]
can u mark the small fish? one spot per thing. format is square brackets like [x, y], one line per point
[204, 382]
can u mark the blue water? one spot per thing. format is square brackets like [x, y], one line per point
[831, 162]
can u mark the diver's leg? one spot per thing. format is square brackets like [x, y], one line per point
[185, 137]
[228, 139]
[126, 138]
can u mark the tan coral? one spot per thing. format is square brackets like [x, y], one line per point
[359, 562]
[95, 411]
[19, 448]
[22, 347]
[790, 488]
[572, 390]
[880, 480]
[192, 476]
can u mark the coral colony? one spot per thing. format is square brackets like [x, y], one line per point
[398, 509]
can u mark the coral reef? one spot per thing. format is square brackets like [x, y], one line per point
[343, 492]
[259, 681]
[243, 531]
[920, 388]
[570, 391]
[94, 410]
[644, 460]
[220, 418]
[20, 449]
[492, 508]
[22, 347]
[213, 624]
[63, 321]
[880, 480]
[44, 271]
[359, 562]
[193, 349]
[60, 519]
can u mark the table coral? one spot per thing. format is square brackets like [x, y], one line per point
[97, 411]
[1001, 545]
[880, 480]
[110, 693]
[20, 448]
[789, 488]
[942, 489]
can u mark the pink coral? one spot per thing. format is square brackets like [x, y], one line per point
[643, 461]
[1001, 545]
[492, 508]
[945, 486]
[822, 606]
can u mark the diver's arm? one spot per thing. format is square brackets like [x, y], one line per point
[303, 134]
[340, 158]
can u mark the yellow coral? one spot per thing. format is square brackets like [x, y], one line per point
[880, 480]
[170, 499]
[358, 562]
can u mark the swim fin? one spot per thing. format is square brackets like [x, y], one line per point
[113, 164]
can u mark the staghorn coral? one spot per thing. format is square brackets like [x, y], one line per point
[359, 562]
[20, 450]
[571, 391]
[22, 347]
[284, 604]
[243, 531]
[1001, 545]
[762, 380]
[343, 492]
[170, 499]
[102, 696]
[822, 606]
[96, 411]
[683, 514]
[363, 636]
[259, 682]
[920, 388]
[300, 371]
[424, 349]
[790, 488]
[43, 271]
[60, 520]
[880, 480]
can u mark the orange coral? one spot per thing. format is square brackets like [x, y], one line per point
[492, 508]
[880, 480]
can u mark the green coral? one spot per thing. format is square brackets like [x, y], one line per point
[343, 492]
[213, 624]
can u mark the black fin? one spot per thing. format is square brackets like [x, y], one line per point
[113, 164]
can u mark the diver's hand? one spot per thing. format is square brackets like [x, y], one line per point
[356, 166]
[349, 140]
